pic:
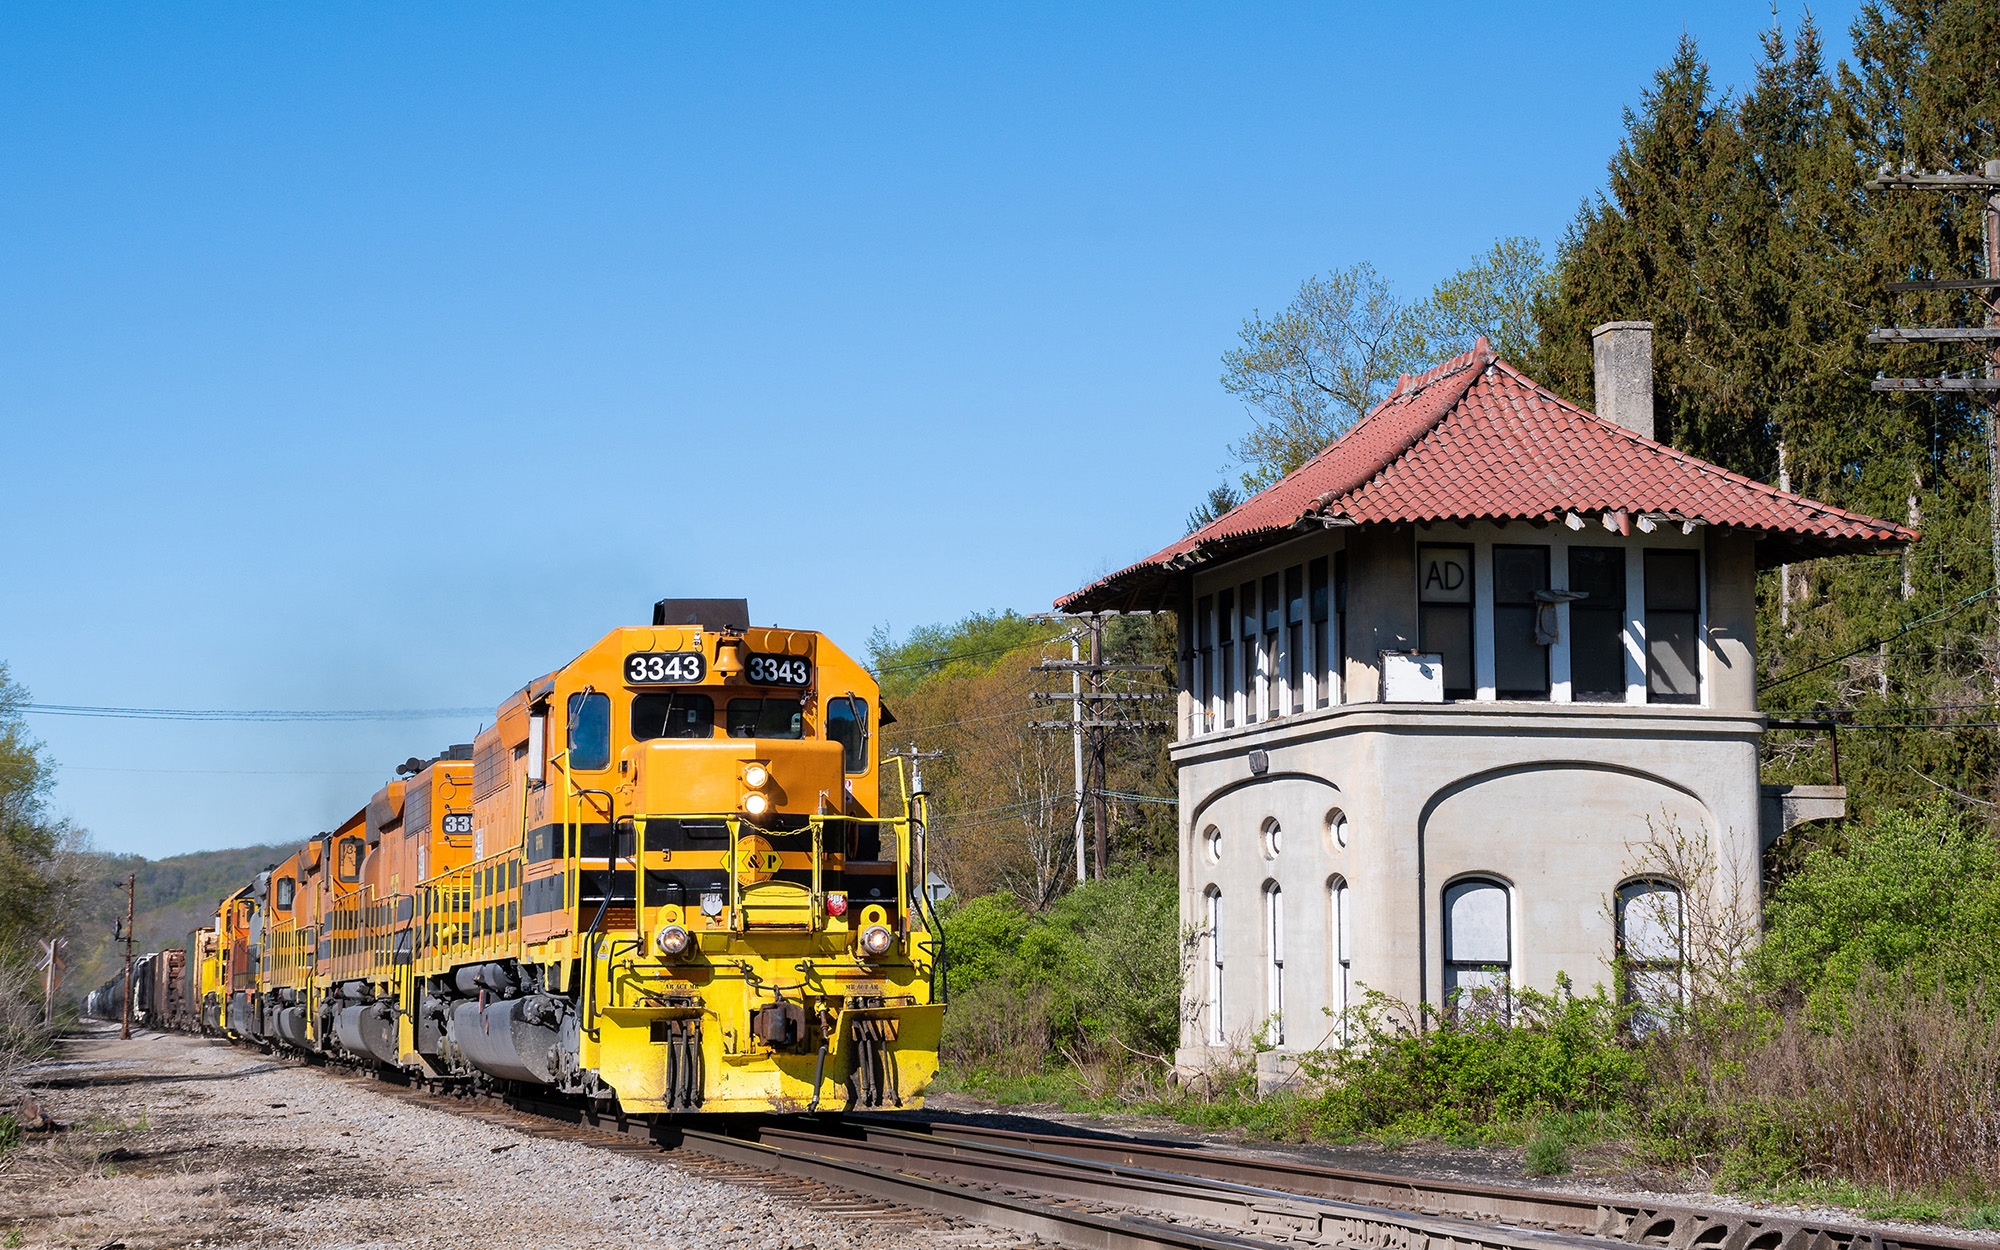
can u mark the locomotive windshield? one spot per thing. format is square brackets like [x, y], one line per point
[676, 714]
[589, 730]
[847, 724]
[767, 718]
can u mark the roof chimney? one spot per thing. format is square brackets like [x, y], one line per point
[1623, 354]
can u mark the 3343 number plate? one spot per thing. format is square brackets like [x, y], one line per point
[665, 668]
[780, 670]
[457, 822]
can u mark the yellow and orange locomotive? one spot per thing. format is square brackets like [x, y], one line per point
[663, 875]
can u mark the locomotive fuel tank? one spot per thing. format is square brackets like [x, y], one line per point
[368, 1029]
[516, 1039]
[291, 1027]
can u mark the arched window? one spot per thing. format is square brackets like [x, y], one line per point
[1211, 842]
[1336, 829]
[1340, 917]
[1478, 946]
[1274, 839]
[1649, 951]
[1211, 902]
[1274, 945]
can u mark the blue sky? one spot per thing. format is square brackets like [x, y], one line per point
[385, 356]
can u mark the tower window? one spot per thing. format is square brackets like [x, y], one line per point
[1673, 617]
[1478, 947]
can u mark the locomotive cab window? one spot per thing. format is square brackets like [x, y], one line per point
[847, 724]
[767, 718]
[679, 714]
[284, 892]
[589, 730]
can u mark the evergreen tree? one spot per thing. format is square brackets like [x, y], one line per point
[1741, 228]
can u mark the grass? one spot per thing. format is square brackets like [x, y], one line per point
[1546, 1155]
[1976, 1205]
[1232, 1102]
[1057, 1088]
[1551, 1144]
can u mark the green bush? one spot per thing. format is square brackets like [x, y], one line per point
[10, 1131]
[982, 940]
[1865, 1047]
[1098, 970]
[1425, 1074]
[1906, 891]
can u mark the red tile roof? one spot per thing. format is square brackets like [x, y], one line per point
[1474, 439]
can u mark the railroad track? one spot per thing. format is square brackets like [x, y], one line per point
[937, 1178]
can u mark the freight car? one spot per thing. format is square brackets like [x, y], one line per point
[664, 876]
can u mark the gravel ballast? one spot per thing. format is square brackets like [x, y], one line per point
[182, 1141]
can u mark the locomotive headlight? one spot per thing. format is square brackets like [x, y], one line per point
[756, 804]
[875, 940]
[672, 939]
[756, 776]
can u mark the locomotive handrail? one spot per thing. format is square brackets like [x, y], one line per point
[591, 935]
[735, 878]
[920, 805]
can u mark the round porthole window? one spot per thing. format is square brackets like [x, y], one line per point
[1274, 839]
[1211, 843]
[1336, 828]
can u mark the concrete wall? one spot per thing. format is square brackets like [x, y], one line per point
[1555, 804]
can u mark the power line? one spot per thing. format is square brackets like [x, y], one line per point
[1831, 712]
[1137, 798]
[260, 716]
[1924, 728]
[228, 772]
[1871, 645]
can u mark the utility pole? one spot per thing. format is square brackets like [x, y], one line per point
[131, 894]
[1076, 745]
[52, 961]
[919, 854]
[916, 759]
[1096, 725]
[1987, 387]
[1096, 624]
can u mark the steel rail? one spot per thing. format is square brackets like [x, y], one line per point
[1084, 1229]
[967, 1180]
[879, 1157]
[1675, 1227]
[1252, 1209]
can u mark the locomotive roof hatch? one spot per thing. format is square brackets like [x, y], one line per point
[710, 614]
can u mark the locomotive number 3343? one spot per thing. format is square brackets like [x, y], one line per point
[665, 668]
